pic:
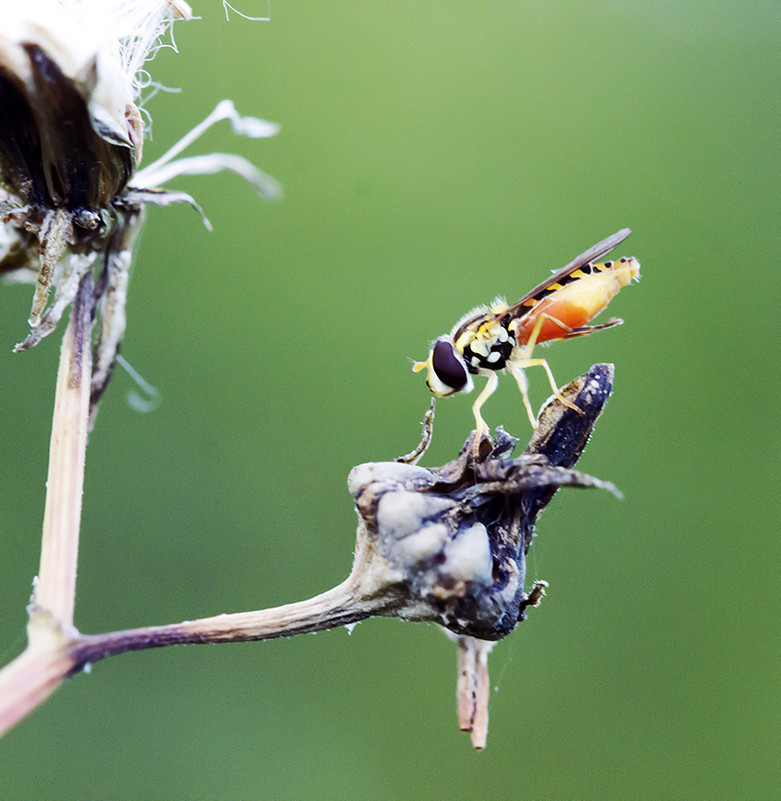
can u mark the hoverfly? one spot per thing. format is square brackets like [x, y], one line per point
[502, 337]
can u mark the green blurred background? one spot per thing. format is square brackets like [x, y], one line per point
[432, 155]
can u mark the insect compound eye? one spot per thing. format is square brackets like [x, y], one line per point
[448, 368]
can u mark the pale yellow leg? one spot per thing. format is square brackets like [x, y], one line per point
[525, 360]
[523, 386]
[526, 350]
[520, 364]
[480, 424]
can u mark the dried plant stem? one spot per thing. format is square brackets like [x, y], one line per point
[48, 661]
[56, 586]
[473, 688]
[30, 679]
[45, 663]
[337, 607]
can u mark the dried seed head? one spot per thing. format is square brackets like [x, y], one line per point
[449, 544]
[70, 131]
[71, 136]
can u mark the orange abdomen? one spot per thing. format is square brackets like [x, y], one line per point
[577, 303]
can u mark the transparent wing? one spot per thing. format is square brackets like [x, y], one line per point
[589, 256]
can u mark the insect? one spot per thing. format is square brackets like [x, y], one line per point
[490, 339]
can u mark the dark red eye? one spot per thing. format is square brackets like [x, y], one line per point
[450, 370]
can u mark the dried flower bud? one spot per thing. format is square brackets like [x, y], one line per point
[448, 544]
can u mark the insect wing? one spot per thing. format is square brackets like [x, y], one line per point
[589, 256]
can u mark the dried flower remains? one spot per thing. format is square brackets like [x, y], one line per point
[71, 134]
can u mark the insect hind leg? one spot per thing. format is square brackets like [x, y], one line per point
[517, 369]
[524, 360]
[567, 331]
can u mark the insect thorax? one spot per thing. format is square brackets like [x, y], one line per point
[486, 344]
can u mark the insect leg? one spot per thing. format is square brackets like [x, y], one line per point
[523, 386]
[520, 364]
[488, 390]
[527, 349]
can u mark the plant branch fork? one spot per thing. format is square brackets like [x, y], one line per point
[445, 545]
